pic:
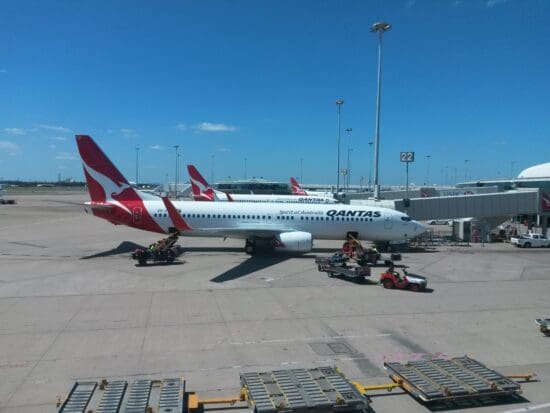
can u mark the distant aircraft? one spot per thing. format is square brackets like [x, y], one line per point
[298, 190]
[202, 191]
[285, 227]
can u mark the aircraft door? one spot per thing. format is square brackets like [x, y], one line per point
[388, 223]
[137, 215]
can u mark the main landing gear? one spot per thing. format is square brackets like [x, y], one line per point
[250, 247]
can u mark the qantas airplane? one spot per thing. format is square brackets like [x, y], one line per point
[298, 190]
[202, 191]
[284, 226]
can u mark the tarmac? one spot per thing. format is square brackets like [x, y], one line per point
[73, 305]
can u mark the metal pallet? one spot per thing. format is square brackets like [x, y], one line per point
[118, 396]
[442, 379]
[323, 389]
[78, 397]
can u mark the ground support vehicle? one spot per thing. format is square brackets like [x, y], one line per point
[164, 250]
[363, 256]
[544, 325]
[391, 278]
[531, 240]
[337, 265]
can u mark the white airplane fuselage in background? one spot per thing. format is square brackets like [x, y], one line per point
[287, 226]
[203, 191]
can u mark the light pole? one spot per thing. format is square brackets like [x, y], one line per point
[348, 175]
[348, 170]
[465, 170]
[176, 147]
[339, 103]
[137, 166]
[379, 28]
[370, 164]
[428, 170]
[212, 172]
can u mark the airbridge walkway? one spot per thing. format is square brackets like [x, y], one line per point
[530, 201]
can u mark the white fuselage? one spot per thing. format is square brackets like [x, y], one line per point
[241, 220]
[300, 199]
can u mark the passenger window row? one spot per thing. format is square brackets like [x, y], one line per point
[284, 217]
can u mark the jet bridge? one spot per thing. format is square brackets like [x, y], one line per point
[524, 201]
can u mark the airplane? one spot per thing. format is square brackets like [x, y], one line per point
[202, 191]
[298, 190]
[290, 227]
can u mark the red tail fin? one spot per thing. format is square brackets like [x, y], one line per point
[296, 187]
[201, 189]
[103, 178]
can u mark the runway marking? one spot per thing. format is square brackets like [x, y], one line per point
[528, 409]
[290, 340]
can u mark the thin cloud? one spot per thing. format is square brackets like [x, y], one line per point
[9, 147]
[493, 3]
[3, 71]
[58, 138]
[14, 131]
[457, 3]
[223, 150]
[156, 147]
[181, 127]
[128, 133]
[51, 146]
[55, 128]
[410, 4]
[66, 156]
[214, 127]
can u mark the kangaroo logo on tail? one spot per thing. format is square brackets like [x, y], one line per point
[202, 191]
[296, 187]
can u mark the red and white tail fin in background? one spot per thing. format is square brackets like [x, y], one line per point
[202, 191]
[296, 187]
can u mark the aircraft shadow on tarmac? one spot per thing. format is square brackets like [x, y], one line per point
[123, 248]
[252, 264]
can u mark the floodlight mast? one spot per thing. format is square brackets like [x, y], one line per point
[380, 28]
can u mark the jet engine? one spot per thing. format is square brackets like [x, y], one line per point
[295, 241]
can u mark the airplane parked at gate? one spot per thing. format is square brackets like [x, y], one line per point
[286, 227]
[298, 190]
[202, 191]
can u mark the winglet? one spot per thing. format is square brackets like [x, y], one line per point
[296, 187]
[177, 220]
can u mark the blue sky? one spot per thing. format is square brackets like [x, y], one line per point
[229, 80]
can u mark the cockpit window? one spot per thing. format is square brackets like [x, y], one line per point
[406, 219]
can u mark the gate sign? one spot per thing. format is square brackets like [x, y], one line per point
[406, 156]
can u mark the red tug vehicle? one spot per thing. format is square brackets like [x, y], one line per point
[391, 278]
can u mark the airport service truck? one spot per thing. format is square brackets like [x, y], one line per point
[530, 240]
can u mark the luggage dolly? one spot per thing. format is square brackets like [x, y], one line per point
[337, 266]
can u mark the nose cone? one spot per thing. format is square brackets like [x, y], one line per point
[418, 228]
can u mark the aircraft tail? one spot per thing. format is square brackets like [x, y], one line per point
[103, 178]
[202, 191]
[296, 187]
